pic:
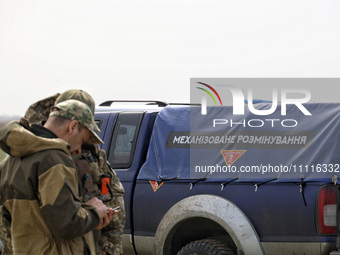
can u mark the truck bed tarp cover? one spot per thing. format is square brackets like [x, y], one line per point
[219, 146]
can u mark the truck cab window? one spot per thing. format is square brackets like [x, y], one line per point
[123, 139]
[98, 123]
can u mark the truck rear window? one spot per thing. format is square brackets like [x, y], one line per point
[123, 139]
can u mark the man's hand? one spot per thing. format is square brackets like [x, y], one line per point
[105, 213]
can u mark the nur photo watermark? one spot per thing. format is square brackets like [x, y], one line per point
[284, 128]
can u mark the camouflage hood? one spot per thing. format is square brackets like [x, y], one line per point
[17, 141]
[38, 112]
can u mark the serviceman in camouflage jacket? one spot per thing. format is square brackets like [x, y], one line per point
[39, 185]
[92, 162]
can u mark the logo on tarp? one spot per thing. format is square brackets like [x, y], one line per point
[156, 185]
[231, 156]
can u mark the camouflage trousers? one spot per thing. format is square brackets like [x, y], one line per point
[111, 236]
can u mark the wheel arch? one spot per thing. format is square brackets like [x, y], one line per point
[215, 208]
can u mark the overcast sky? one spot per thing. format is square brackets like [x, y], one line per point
[151, 49]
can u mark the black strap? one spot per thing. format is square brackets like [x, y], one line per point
[302, 185]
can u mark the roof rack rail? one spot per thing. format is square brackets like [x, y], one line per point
[185, 104]
[147, 102]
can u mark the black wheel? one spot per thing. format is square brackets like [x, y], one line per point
[206, 247]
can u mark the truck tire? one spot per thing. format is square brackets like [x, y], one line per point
[206, 247]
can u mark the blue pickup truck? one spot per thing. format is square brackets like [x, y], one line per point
[210, 184]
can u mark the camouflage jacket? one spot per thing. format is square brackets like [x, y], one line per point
[93, 167]
[39, 188]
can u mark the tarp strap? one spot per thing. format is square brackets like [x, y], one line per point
[226, 183]
[302, 185]
[257, 185]
[192, 184]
